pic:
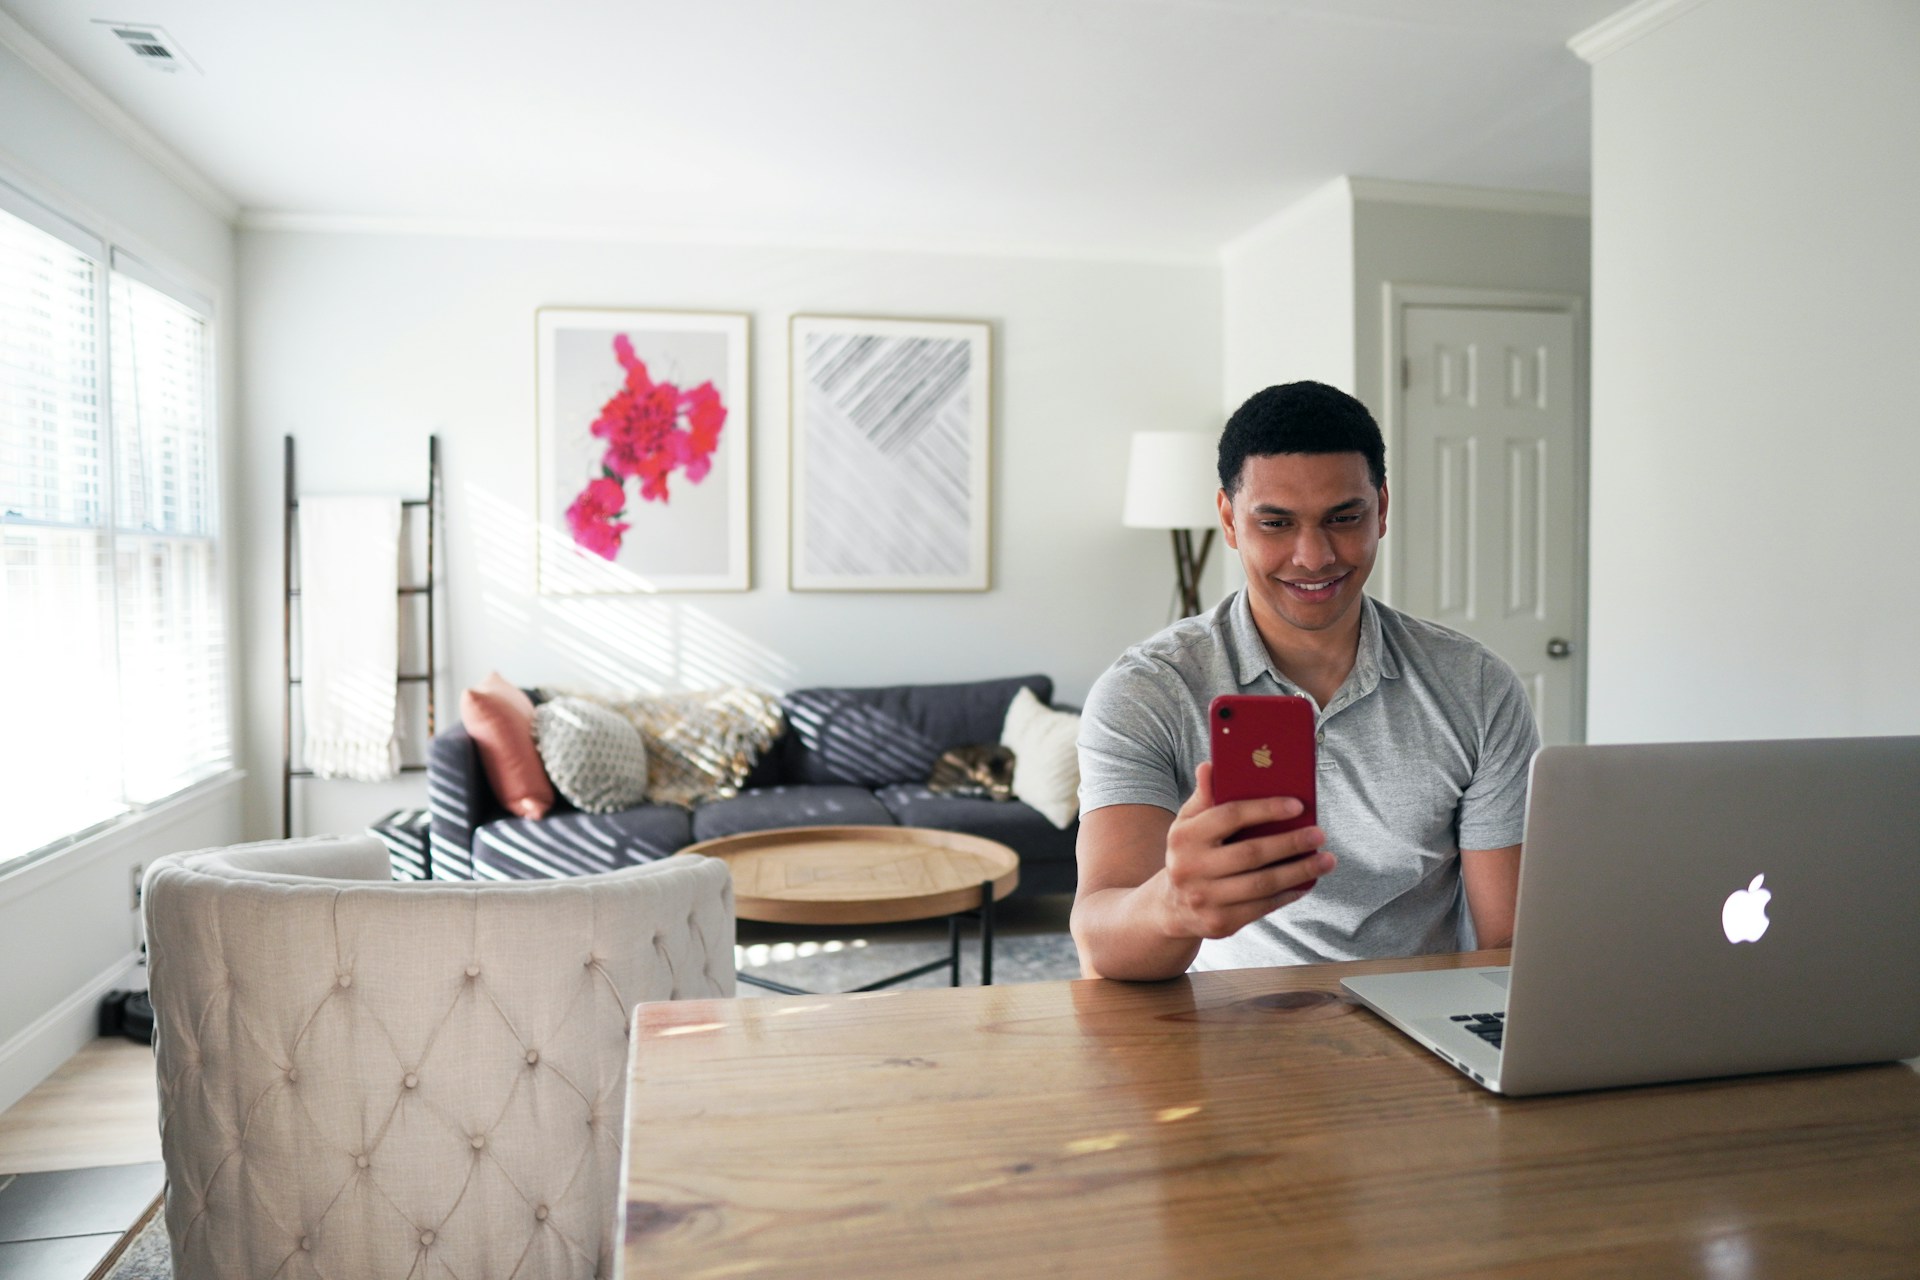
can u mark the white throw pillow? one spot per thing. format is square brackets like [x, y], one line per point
[595, 758]
[1046, 759]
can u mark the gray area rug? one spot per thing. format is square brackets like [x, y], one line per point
[148, 1257]
[850, 964]
[818, 966]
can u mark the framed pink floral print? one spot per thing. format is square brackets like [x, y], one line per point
[642, 451]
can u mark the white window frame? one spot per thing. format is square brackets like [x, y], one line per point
[110, 256]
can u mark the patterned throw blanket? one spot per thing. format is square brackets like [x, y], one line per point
[700, 745]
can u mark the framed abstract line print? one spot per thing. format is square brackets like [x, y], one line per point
[891, 426]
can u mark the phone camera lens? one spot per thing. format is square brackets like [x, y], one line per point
[1226, 713]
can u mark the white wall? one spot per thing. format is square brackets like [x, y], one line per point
[67, 929]
[1424, 234]
[1756, 434]
[361, 344]
[1287, 295]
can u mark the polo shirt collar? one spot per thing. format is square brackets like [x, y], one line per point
[1373, 662]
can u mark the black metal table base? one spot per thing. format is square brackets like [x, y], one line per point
[984, 913]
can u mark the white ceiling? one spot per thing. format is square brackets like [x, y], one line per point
[1135, 128]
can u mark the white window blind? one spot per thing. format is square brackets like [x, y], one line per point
[113, 672]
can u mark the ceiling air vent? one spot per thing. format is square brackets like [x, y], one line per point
[151, 44]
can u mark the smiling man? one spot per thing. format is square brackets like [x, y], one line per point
[1424, 739]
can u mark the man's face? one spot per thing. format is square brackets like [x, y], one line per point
[1307, 527]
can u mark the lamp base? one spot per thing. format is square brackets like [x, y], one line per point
[1187, 568]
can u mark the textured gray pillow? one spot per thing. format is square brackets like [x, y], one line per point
[595, 758]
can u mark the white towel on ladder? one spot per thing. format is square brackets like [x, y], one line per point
[350, 635]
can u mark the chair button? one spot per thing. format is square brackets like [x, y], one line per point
[346, 979]
[540, 1214]
[473, 971]
[426, 1237]
[306, 1243]
[533, 1057]
[293, 1075]
[478, 1142]
[361, 1162]
[412, 1081]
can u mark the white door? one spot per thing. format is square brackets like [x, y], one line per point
[1484, 499]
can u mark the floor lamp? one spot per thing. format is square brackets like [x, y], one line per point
[1172, 477]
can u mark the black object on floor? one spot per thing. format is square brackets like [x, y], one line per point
[127, 1013]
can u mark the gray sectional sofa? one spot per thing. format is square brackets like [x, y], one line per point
[849, 756]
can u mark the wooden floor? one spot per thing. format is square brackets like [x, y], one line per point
[100, 1108]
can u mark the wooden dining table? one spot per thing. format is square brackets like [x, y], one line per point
[1246, 1123]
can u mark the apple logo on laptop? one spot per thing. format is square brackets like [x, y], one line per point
[1744, 917]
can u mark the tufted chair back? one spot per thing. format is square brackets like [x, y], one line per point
[366, 1080]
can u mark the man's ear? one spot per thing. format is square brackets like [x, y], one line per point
[1225, 506]
[1383, 511]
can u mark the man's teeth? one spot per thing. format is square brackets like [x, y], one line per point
[1314, 586]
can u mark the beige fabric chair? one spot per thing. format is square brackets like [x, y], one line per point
[372, 1081]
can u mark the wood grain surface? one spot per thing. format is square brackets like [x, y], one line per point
[1250, 1123]
[860, 875]
[102, 1106]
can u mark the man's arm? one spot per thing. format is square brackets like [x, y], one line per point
[1492, 880]
[1153, 884]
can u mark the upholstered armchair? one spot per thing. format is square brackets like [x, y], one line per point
[368, 1080]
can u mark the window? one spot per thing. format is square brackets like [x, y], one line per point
[113, 670]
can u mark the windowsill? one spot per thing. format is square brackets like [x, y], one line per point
[39, 868]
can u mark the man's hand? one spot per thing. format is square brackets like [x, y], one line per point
[1216, 885]
[1153, 884]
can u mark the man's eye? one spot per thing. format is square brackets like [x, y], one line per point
[1275, 524]
[1345, 520]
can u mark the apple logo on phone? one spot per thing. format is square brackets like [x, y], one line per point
[1744, 917]
[1262, 758]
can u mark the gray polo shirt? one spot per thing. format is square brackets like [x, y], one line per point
[1422, 752]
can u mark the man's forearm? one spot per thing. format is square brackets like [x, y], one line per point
[1119, 936]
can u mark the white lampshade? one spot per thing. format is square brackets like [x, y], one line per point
[1171, 479]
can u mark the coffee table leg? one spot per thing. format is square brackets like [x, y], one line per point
[986, 933]
[953, 945]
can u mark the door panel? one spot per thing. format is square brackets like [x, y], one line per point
[1484, 497]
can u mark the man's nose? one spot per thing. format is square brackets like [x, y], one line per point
[1312, 548]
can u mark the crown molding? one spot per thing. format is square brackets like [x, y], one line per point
[1491, 199]
[61, 75]
[1612, 34]
[508, 229]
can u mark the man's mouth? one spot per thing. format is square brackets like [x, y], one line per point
[1320, 589]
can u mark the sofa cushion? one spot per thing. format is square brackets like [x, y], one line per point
[1013, 823]
[770, 807]
[874, 737]
[594, 756]
[575, 844]
[499, 719]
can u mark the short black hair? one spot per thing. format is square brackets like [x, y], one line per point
[1300, 417]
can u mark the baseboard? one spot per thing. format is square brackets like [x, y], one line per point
[57, 1035]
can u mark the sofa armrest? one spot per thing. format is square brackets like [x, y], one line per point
[460, 800]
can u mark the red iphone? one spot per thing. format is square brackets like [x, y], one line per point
[1263, 746]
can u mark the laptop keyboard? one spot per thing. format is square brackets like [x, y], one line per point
[1488, 1026]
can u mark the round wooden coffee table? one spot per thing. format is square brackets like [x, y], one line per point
[868, 875]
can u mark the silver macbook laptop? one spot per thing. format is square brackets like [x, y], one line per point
[1690, 910]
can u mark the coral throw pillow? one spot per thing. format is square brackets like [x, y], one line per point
[499, 718]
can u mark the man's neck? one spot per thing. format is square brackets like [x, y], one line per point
[1317, 661]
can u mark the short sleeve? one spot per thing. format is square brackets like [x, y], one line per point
[1493, 809]
[1129, 738]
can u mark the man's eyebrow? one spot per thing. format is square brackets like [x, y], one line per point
[1270, 509]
